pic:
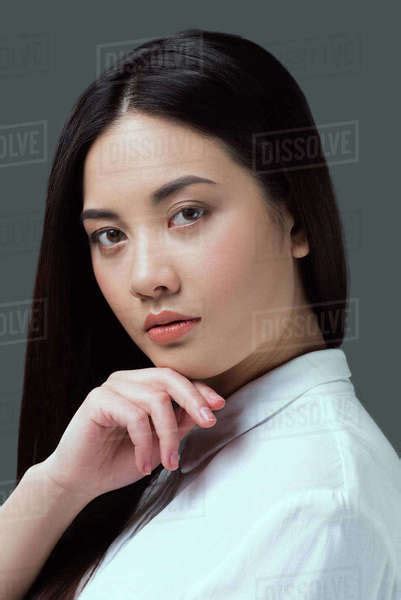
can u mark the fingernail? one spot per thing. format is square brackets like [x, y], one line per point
[207, 414]
[174, 458]
[214, 396]
[147, 469]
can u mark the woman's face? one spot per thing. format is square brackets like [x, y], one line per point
[208, 249]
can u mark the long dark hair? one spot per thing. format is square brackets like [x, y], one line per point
[223, 86]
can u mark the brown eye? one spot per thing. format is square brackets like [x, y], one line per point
[95, 237]
[188, 212]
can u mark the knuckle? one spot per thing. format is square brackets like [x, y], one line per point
[163, 397]
[114, 375]
[94, 394]
[169, 372]
[140, 417]
[105, 391]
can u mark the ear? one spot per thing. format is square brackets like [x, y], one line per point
[299, 242]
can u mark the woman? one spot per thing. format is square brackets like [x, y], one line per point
[164, 196]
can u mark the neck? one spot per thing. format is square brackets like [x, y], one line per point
[271, 355]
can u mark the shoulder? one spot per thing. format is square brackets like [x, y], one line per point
[315, 539]
[325, 439]
[323, 443]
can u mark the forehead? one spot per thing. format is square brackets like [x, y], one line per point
[140, 154]
[142, 150]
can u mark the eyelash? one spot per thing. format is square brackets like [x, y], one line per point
[94, 237]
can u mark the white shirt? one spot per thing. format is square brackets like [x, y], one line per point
[300, 498]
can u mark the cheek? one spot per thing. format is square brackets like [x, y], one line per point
[237, 254]
[249, 271]
[109, 282]
[226, 268]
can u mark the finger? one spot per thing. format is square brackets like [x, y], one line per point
[217, 401]
[134, 420]
[141, 435]
[185, 420]
[115, 409]
[157, 404]
[179, 387]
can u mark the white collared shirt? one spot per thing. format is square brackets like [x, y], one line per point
[299, 498]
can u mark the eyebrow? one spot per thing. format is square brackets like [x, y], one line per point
[157, 196]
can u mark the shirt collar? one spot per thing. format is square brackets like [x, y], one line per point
[258, 400]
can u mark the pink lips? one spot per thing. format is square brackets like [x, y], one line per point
[164, 317]
[170, 332]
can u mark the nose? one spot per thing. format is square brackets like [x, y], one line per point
[152, 271]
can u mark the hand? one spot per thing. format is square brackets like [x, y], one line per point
[125, 424]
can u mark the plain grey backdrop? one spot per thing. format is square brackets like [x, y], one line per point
[346, 59]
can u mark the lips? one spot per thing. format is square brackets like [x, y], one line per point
[171, 332]
[164, 317]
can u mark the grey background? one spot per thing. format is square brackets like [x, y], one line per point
[346, 59]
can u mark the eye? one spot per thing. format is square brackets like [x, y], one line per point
[95, 236]
[190, 209]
